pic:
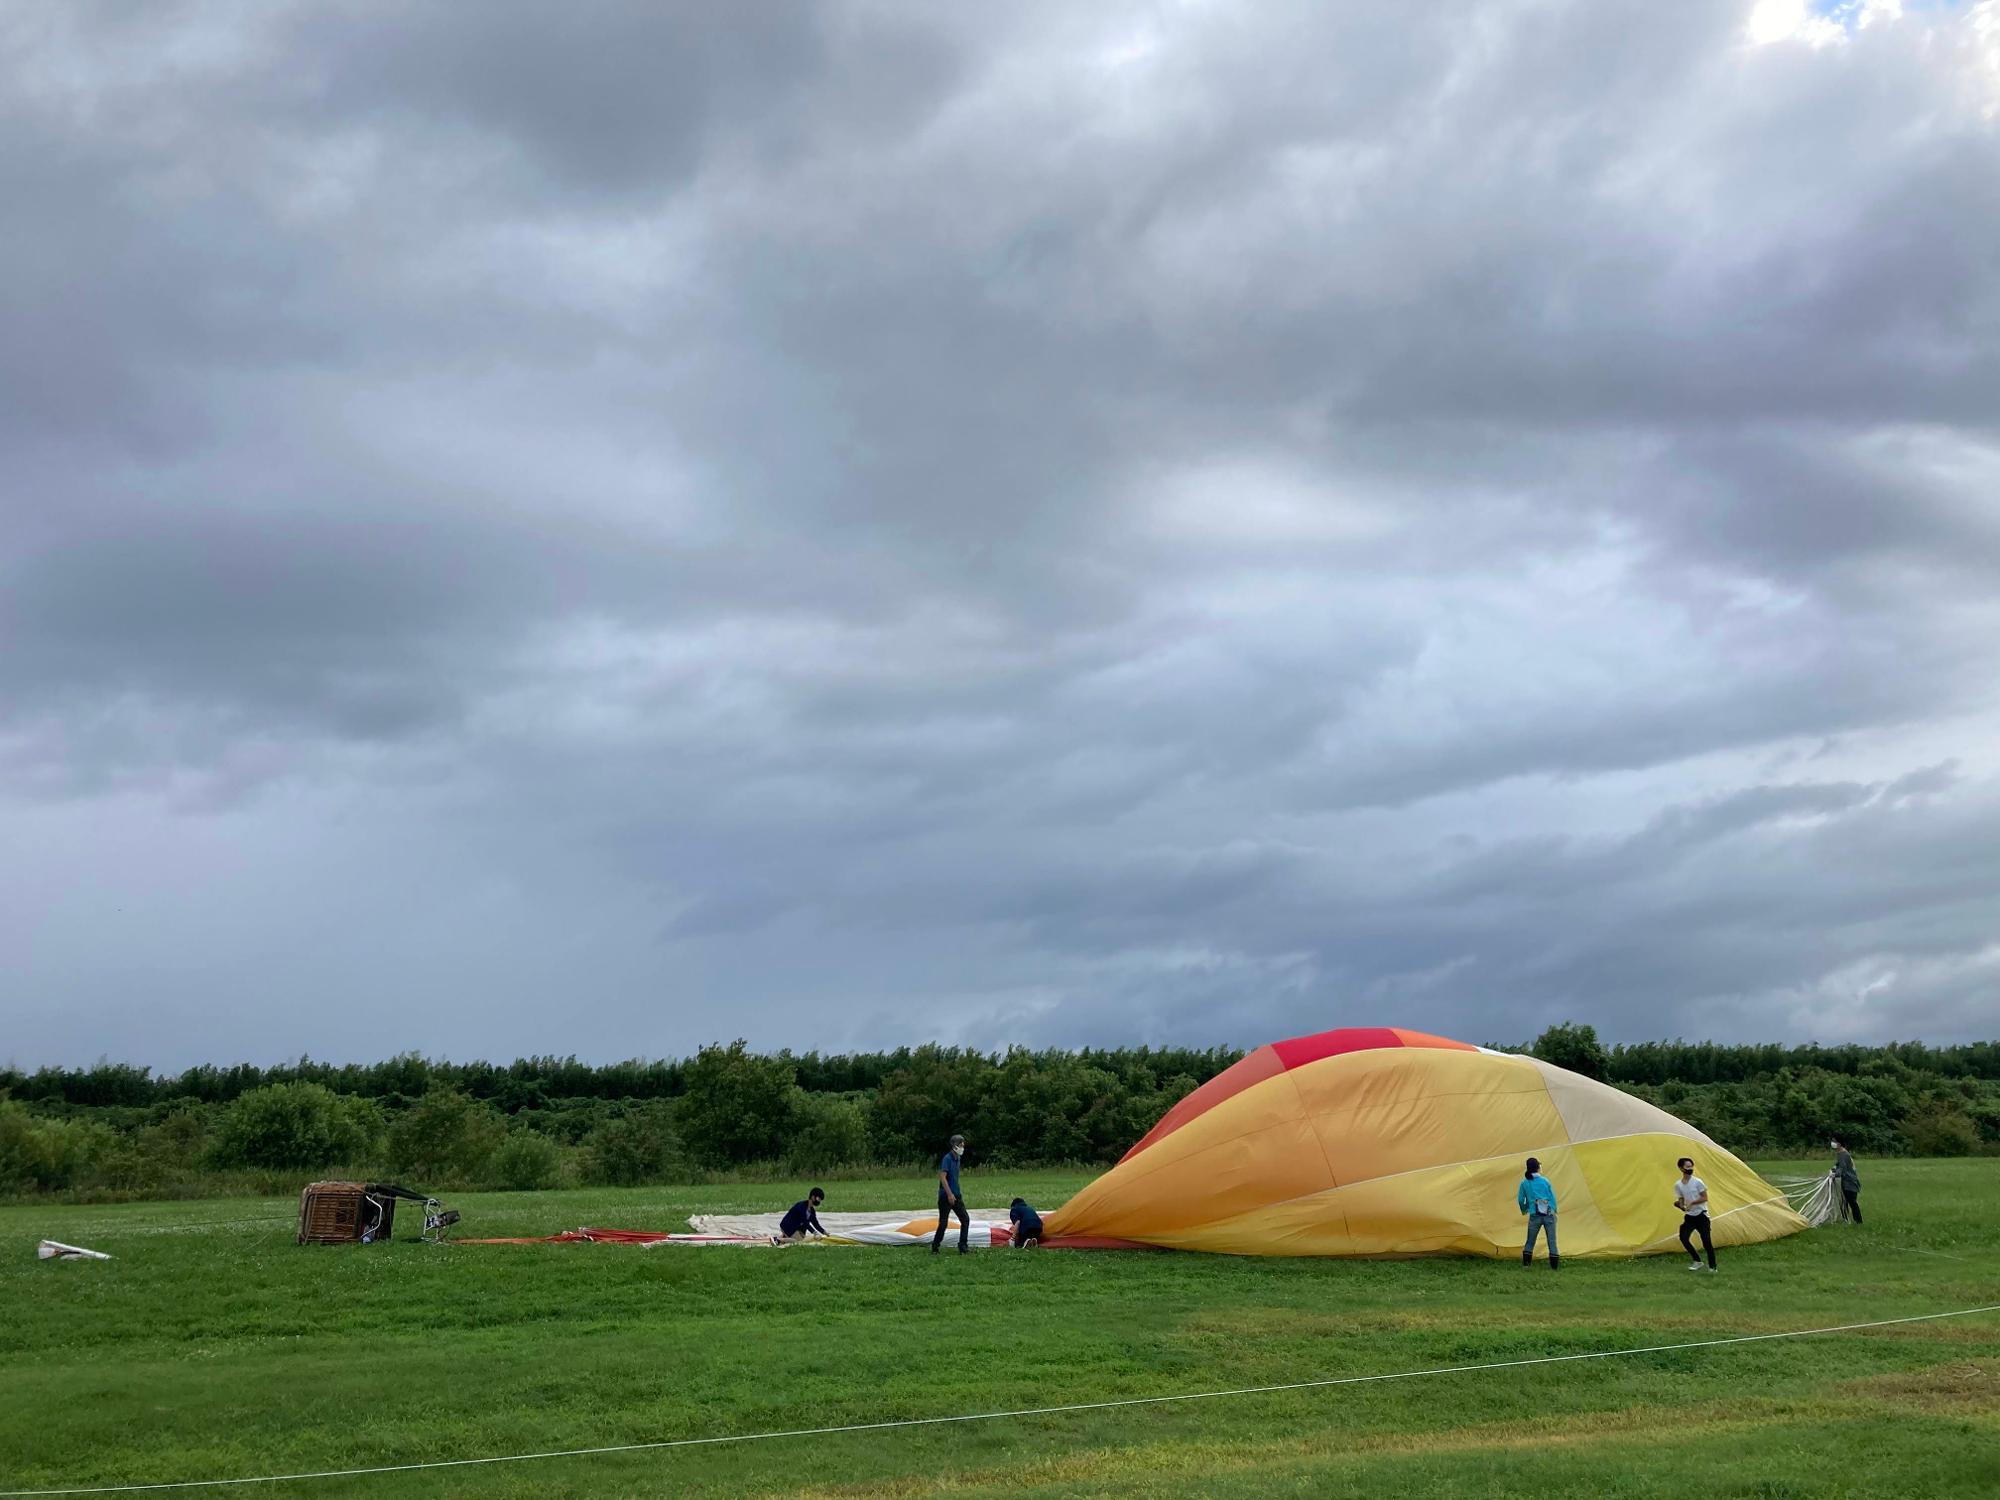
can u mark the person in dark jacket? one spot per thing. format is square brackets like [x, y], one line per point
[1850, 1180]
[801, 1219]
[950, 1200]
[1027, 1224]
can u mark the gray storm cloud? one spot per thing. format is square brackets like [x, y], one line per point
[874, 523]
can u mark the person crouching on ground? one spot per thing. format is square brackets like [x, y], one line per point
[950, 1200]
[1537, 1199]
[1027, 1224]
[801, 1219]
[1691, 1198]
[1849, 1180]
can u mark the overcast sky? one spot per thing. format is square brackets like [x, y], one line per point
[599, 528]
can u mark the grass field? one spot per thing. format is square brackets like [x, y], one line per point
[212, 1346]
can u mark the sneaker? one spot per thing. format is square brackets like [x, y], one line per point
[1695, 1265]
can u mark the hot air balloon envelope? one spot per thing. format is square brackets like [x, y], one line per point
[1383, 1141]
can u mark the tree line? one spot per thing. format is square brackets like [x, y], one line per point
[116, 1130]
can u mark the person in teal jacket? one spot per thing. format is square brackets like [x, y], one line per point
[1537, 1199]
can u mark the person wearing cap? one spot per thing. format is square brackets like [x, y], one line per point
[950, 1200]
[1691, 1198]
[1537, 1200]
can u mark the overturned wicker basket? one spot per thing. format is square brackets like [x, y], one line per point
[344, 1213]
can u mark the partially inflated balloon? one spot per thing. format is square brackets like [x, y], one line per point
[1381, 1141]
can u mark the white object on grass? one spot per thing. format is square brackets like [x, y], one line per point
[57, 1250]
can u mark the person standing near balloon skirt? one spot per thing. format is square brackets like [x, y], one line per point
[1537, 1200]
[950, 1200]
[1849, 1180]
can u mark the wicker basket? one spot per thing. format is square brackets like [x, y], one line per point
[340, 1213]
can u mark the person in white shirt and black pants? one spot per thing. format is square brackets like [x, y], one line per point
[1691, 1198]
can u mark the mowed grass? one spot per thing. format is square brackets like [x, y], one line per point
[213, 1347]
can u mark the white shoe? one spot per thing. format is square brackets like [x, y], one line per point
[1696, 1265]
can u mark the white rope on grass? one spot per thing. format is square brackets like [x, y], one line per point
[983, 1416]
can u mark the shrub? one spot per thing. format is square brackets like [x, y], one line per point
[446, 1137]
[166, 1152]
[1938, 1128]
[47, 1155]
[525, 1161]
[827, 1132]
[638, 1146]
[296, 1125]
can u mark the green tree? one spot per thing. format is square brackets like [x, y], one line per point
[639, 1145]
[939, 1092]
[1938, 1127]
[446, 1137]
[296, 1125]
[48, 1155]
[828, 1131]
[1574, 1046]
[527, 1160]
[737, 1106]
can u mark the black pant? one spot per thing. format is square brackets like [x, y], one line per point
[1853, 1209]
[947, 1206]
[1691, 1225]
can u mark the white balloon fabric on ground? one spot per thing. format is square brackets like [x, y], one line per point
[56, 1250]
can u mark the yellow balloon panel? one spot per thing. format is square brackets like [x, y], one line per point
[1262, 1149]
[1632, 1181]
[1391, 1110]
[1339, 1120]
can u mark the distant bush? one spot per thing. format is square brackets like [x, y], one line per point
[827, 1131]
[525, 1161]
[48, 1155]
[1939, 1128]
[445, 1138]
[638, 1146]
[166, 1153]
[300, 1125]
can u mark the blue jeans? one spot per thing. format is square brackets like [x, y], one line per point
[1537, 1224]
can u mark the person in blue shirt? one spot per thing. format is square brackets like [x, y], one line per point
[1027, 1224]
[801, 1219]
[950, 1200]
[1537, 1200]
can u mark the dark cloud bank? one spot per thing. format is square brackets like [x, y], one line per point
[864, 523]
